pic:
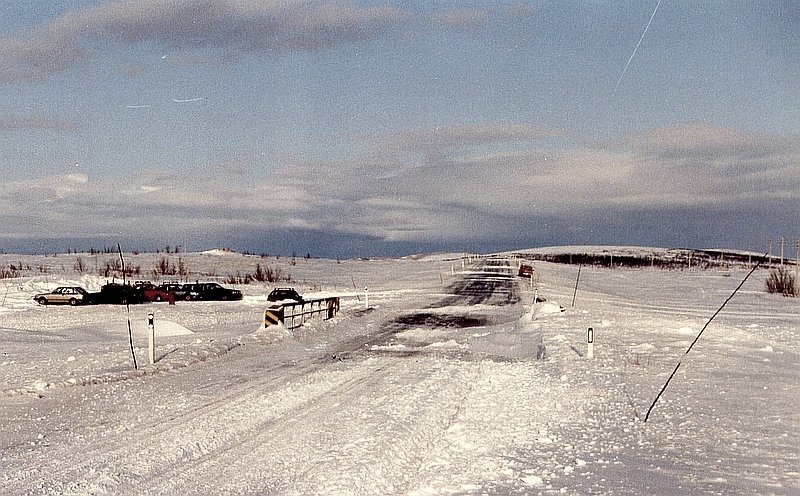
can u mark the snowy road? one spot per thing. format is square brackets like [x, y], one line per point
[349, 416]
[246, 427]
[443, 386]
[492, 283]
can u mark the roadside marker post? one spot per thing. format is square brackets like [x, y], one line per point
[366, 298]
[590, 349]
[533, 305]
[152, 334]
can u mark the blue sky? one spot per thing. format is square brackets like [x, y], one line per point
[346, 128]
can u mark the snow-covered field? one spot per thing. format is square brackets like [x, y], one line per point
[425, 392]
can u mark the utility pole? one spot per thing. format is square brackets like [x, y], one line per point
[783, 242]
[796, 259]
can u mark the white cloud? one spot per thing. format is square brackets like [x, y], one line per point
[453, 197]
[229, 26]
[444, 138]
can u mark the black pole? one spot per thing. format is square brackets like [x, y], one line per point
[122, 259]
[130, 337]
[575, 293]
[128, 307]
[647, 415]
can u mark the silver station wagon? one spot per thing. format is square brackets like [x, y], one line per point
[65, 295]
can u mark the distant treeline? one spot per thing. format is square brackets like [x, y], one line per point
[671, 259]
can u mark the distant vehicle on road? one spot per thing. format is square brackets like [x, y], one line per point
[280, 294]
[65, 295]
[118, 294]
[209, 291]
[525, 271]
[155, 293]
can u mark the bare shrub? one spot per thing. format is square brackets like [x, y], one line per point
[80, 266]
[113, 266]
[9, 273]
[273, 275]
[261, 274]
[239, 279]
[165, 267]
[183, 270]
[781, 281]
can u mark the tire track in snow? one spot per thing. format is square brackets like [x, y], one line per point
[337, 443]
[249, 436]
[169, 440]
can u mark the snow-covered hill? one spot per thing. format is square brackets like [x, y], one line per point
[418, 394]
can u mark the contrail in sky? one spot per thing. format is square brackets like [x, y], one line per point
[635, 49]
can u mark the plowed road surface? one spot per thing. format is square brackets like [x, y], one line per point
[339, 414]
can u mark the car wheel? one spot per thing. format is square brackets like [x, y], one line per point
[73, 302]
[159, 298]
[42, 301]
[188, 297]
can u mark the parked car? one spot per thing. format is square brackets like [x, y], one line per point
[280, 294]
[176, 288]
[209, 291]
[65, 295]
[155, 293]
[118, 294]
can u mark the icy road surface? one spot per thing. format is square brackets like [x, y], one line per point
[452, 382]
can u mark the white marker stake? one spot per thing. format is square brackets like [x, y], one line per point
[366, 298]
[152, 331]
[590, 350]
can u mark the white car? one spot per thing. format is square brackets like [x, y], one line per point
[65, 295]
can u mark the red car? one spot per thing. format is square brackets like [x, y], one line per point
[155, 293]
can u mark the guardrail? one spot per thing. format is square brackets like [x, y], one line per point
[295, 314]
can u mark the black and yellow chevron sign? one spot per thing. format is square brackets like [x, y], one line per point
[273, 316]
